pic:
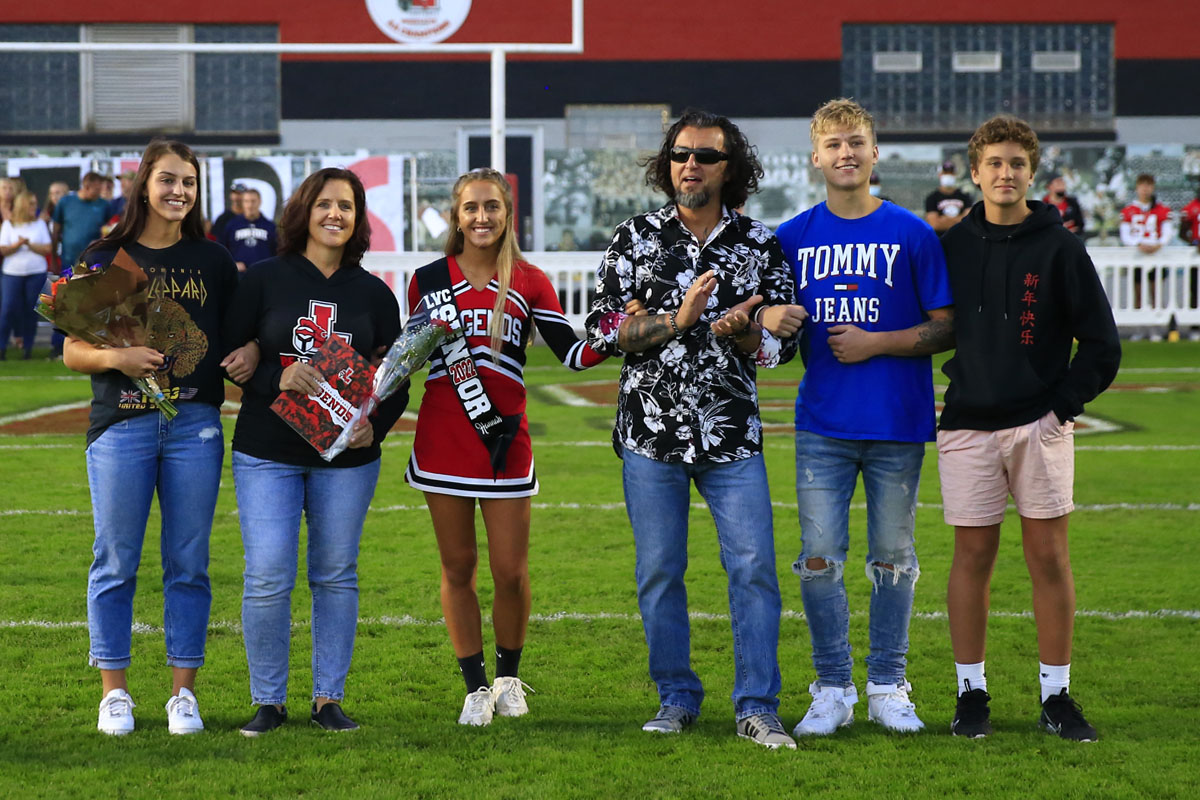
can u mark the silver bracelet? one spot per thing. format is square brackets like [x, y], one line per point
[671, 319]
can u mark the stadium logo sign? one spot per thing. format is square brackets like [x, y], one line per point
[418, 20]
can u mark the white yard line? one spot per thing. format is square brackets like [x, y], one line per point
[408, 621]
[620, 506]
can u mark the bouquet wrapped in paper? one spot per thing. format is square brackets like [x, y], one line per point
[109, 307]
[407, 354]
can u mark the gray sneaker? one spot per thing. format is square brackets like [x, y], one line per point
[765, 729]
[670, 719]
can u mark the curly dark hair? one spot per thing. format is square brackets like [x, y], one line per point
[1004, 128]
[742, 169]
[293, 225]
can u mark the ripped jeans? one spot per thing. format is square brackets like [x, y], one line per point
[826, 473]
[134, 459]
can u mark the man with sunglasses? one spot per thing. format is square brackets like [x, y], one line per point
[873, 277]
[687, 408]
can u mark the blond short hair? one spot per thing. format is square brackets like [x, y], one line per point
[842, 114]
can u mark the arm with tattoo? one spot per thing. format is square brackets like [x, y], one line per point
[638, 334]
[851, 344]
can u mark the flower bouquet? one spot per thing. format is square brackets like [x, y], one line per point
[107, 307]
[411, 349]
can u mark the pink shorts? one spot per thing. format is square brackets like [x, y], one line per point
[979, 469]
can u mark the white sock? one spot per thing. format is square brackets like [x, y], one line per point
[1054, 678]
[970, 676]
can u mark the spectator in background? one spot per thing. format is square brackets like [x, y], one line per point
[944, 206]
[1146, 223]
[107, 187]
[24, 245]
[9, 189]
[117, 207]
[232, 210]
[58, 190]
[1067, 205]
[1189, 221]
[876, 187]
[250, 237]
[77, 219]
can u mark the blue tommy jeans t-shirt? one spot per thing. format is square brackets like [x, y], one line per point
[879, 273]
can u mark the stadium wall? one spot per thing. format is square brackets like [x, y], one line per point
[770, 59]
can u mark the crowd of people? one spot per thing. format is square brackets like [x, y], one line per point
[693, 297]
[40, 241]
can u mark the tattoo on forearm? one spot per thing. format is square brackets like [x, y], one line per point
[642, 333]
[934, 336]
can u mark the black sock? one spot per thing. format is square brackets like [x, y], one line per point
[473, 671]
[507, 662]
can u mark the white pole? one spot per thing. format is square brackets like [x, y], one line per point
[498, 110]
[412, 193]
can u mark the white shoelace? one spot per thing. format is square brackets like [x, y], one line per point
[117, 705]
[514, 691]
[183, 706]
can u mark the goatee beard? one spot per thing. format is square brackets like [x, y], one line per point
[692, 200]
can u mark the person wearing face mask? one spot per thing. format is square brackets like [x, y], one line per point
[1067, 205]
[876, 188]
[291, 304]
[945, 205]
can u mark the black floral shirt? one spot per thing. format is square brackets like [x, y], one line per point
[691, 399]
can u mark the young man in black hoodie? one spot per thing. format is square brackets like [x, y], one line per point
[1025, 289]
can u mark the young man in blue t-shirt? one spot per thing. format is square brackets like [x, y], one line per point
[873, 279]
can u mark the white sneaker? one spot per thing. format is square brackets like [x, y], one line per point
[116, 713]
[183, 714]
[478, 708]
[832, 708]
[508, 694]
[888, 704]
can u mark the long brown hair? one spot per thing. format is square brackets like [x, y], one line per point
[293, 225]
[133, 219]
[509, 252]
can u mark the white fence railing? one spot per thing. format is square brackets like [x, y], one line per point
[1145, 290]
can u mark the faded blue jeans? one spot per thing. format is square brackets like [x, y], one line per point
[657, 497]
[826, 472]
[271, 497]
[179, 459]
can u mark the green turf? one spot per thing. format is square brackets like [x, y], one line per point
[1135, 674]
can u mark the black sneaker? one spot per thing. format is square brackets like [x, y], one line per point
[332, 718]
[1063, 716]
[268, 718]
[972, 718]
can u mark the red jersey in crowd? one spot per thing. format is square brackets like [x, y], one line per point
[1146, 224]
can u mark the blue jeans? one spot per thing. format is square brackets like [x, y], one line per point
[271, 497]
[657, 496]
[17, 317]
[133, 458]
[826, 472]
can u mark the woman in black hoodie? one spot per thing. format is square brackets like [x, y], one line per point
[315, 289]
[1025, 290]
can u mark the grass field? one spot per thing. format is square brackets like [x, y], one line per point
[1135, 664]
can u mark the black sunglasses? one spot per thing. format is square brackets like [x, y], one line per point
[704, 155]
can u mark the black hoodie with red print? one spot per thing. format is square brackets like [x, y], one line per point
[1022, 295]
[290, 307]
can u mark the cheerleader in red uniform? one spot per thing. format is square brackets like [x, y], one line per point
[472, 439]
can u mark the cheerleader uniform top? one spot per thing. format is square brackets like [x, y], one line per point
[448, 456]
